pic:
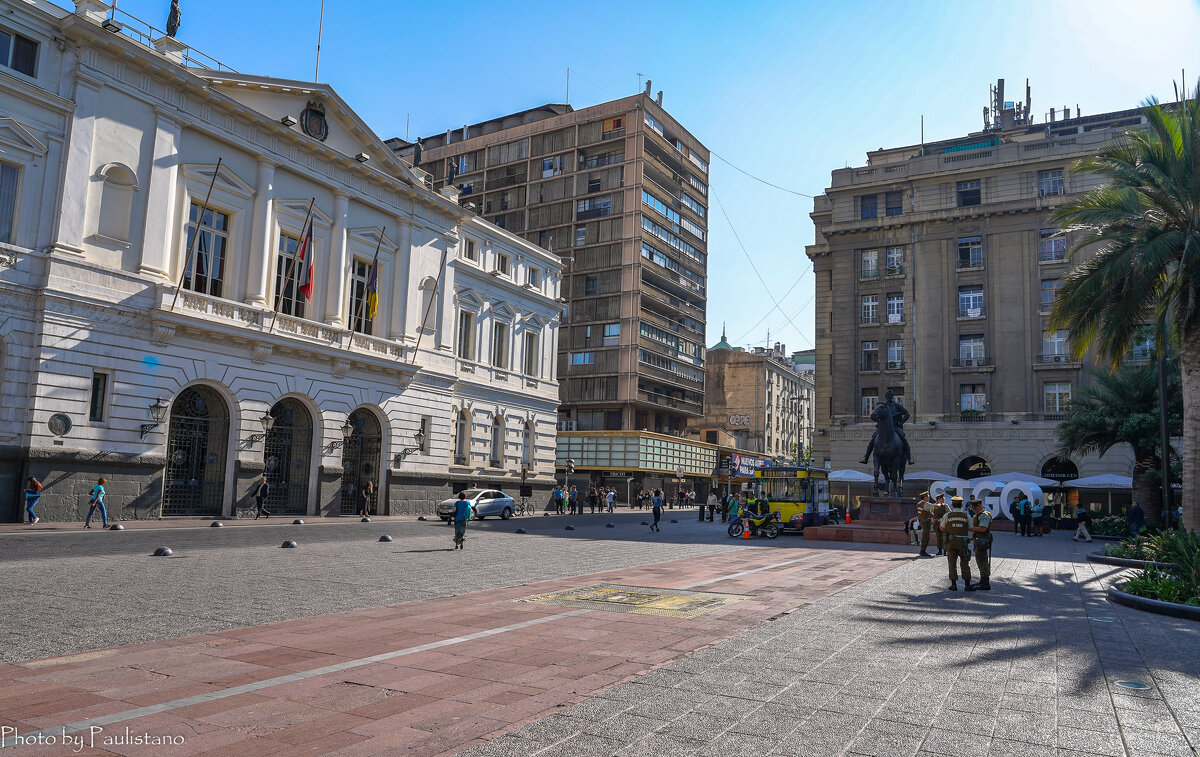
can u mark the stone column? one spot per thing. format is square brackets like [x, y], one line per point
[158, 239]
[335, 287]
[402, 287]
[77, 174]
[444, 318]
[261, 238]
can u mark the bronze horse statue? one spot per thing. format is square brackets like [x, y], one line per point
[889, 454]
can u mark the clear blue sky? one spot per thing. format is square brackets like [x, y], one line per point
[787, 91]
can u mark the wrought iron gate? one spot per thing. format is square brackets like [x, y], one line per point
[360, 462]
[287, 454]
[194, 483]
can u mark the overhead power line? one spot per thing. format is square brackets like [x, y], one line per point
[760, 180]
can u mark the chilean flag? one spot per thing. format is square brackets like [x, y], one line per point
[304, 259]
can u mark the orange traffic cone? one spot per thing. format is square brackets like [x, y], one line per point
[847, 515]
[746, 531]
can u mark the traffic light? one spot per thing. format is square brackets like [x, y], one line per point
[570, 466]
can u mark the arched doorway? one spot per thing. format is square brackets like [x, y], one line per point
[287, 456]
[197, 440]
[974, 467]
[360, 460]
[1060, 469]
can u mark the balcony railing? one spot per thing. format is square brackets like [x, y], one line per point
[970, 263]
[894, 270]
[895, 365]
[1052, 256]
[868, 273]
[971, 416]
[1054, 416]
[869, 320]
[1055, 357]
[978, 312]
[869, 365]
[612, 134]
[972, 362]
[460, 459]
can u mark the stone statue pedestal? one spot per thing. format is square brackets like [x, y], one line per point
[886, 509]
[170, 48]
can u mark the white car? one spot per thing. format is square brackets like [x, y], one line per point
[484, 502]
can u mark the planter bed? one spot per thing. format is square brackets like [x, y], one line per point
[1126, 562]
[1186, 612]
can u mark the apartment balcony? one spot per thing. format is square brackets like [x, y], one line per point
[649, 370]
[893, 271]
[895, 365]
[972, 365]
[672, 403]
[662, 295]
[967, 314]
[867, 274]
[1056, 360]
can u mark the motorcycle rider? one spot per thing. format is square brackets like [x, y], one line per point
[900, 416]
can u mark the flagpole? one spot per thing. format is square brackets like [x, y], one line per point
[362, 303]
[320, 28]
[437, 285]
[292, 264]
[187, 261]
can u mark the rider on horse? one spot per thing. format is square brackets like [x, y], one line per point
[900, 416]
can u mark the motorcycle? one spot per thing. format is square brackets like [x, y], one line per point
[765, 525]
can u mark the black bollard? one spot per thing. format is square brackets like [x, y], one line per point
[522, 531]
[116, 527]
[365, 519]
[163, 552]
[569, 528]
[297, 522]
[216, 524]
[289, 544]
[385, 537]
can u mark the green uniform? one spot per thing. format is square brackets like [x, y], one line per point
[925, 516]
[939, 512]
[956, 524]
[983, 544]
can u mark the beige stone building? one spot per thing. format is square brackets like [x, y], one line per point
[619, 191]
[758, 399]
[936, 266]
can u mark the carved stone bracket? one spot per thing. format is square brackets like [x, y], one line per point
[7, 260]
[340, 368]
[163, 333]
[260, 352]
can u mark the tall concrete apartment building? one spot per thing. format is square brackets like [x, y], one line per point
[620, 192]
[936, 266]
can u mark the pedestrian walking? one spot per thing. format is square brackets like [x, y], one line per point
[1025, 510]
[956, 525]
[97, 500]
[554, 497]
[260, 495]
[365, 494]
[33, 493]
[1083, 519]
[462, 514]
[713, 501]
[1014, 512]
[612, 498]
[574, 502]
[656, 504]
[1137, 520]
[981, 538]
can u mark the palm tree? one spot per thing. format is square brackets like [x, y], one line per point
[1146, 224]
[1122, 408]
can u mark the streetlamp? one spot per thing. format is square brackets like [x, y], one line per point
[268, 422]
[419, 437]
[347, 432]
[158, 411]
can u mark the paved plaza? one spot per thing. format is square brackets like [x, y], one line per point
[350, 646]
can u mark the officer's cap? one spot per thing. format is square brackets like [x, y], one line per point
[975, 502]
[956, 501]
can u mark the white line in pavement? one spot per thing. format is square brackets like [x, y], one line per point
[141, 712]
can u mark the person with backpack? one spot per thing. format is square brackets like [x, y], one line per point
[1083, 517]
[462, 514]
[656, 502]
[33, 493]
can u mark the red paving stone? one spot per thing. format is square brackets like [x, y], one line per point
[427, 703]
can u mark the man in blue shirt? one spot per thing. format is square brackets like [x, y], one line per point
[462, 514]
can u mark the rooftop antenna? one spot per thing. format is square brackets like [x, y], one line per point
[640, 74]
[407, 117]
[568, 100]
[320, 28]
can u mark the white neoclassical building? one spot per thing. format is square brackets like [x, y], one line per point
[154, 327]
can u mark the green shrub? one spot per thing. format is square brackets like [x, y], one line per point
[1136, 548]
[1181, 582]
[1110, 525]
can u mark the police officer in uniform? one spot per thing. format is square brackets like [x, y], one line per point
[925, 517]
[981, 535]
[939, 512]
[956, 525]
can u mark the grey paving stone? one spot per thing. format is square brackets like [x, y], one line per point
[955, 743]
[1157, 742]
[1090, 741]
[738, 745]
[660, 744]
[624, 728]
[1006, 748]
[583, 744]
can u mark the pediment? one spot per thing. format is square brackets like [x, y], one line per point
[468, 299]
[534, 321]
[299, 207]
[226, 179]
[502, 311]
[369, 236]
[14, 135]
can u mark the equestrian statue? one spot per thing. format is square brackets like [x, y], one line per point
[890, 446]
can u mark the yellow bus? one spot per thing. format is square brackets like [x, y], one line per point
[799, 492]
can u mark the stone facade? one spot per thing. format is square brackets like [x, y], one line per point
[935, 269]
[121, 296]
